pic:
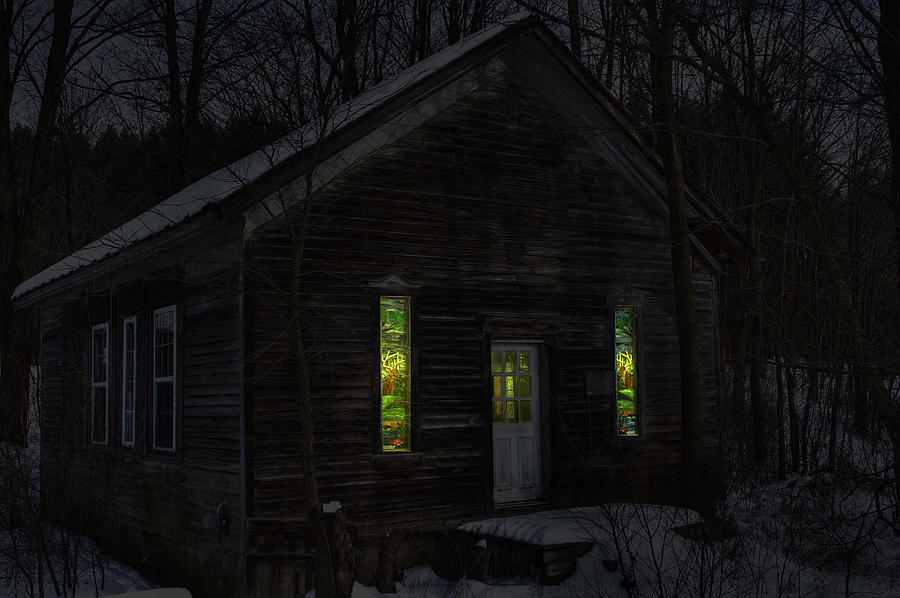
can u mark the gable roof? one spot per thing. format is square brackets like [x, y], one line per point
[226, 182]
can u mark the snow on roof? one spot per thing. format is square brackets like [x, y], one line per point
[225, 182]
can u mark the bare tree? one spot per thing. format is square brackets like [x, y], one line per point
[42, 47]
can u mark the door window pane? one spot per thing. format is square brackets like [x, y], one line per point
[525, 411]
[498, 412]
[510, 361]
[510, 386]
[525, 361]
[498, 386]
[512, 411]
[525, 386]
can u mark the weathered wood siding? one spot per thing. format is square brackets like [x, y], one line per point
[154, 509]
[512, 227]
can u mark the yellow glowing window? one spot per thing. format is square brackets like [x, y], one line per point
[395, 374]
[626, 371]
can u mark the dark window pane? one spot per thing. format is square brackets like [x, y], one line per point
[128, 414]
[98, 414]
[163, 361]
[98, 350]
[165, 415]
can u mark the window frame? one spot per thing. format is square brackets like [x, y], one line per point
[410, 348]
[156, 380]
[132, 383]
[637, 350]
[95, 384]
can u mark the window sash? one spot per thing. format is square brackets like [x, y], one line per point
[99, 383]
[165, 335]
[129, 379]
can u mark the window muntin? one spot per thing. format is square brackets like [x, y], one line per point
[129, 378]
[99, 383]
[396, 378]
[164, 378]
[627, 392]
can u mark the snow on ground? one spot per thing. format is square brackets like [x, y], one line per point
[655, 560]
[157, 593]
[637, 552]
[95, 574]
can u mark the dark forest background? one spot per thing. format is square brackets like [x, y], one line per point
[784, 113]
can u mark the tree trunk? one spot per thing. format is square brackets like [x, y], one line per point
[889, 53]
[574, 30]
[779, 421]
[861, 407]
[836, 389]
[346, 29]
[17, 205]
[757, 431]
[421, 30]
[889, 414]
[740, 379]
[812, 395]
[325, 582]
[793, 425]
[177, 171]
[661, 29]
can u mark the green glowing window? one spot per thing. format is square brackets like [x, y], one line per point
[627, 404]
[395, 374]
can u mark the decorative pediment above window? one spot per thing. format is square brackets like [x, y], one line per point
[394, 285]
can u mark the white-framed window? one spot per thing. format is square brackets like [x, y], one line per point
[99, 383]
[165, 336]
[129, 378]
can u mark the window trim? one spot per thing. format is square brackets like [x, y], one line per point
[173, 378]
[132, 321]
[100, 384]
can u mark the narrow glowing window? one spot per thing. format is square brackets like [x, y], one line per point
[99, 386]
[627, 404]
[395, 374]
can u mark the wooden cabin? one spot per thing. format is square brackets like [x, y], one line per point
[486, 305]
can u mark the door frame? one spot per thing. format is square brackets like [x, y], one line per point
[539, 417]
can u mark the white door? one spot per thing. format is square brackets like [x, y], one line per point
[516, 413]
